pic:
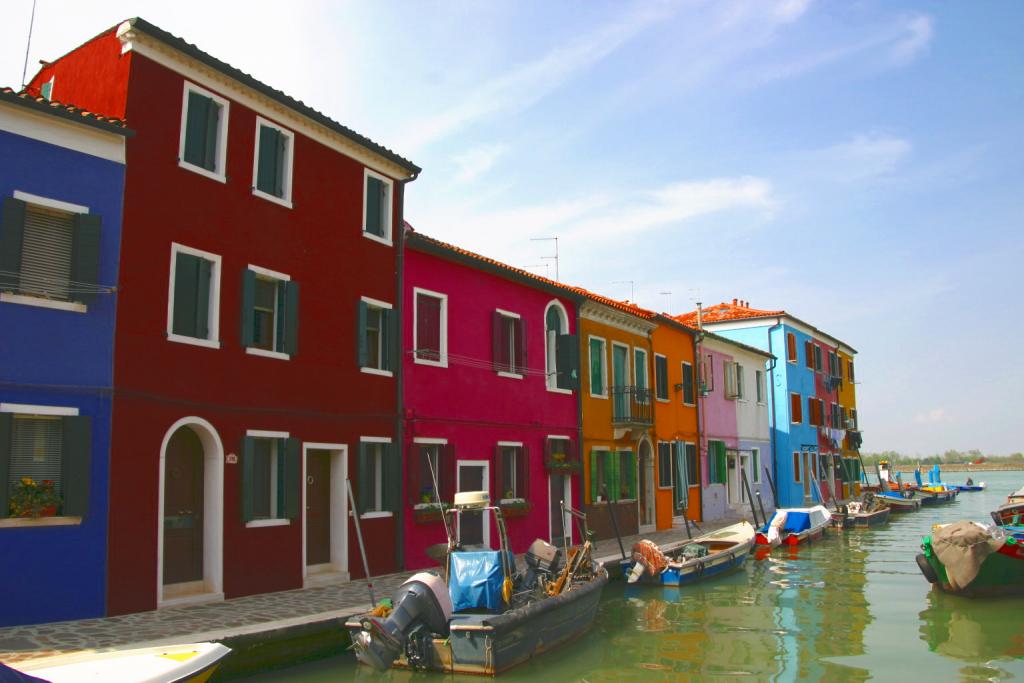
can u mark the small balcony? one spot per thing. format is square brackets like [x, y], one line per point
[632, 407]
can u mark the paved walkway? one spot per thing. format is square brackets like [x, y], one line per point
[235, 617]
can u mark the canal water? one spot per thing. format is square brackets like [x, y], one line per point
[852, 607]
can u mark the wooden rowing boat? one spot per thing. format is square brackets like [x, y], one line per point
[685, 562]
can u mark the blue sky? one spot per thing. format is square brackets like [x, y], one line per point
[858, 164]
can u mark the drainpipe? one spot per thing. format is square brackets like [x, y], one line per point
[698, 343]
[773, 362]
[580, 494]
[400, 369]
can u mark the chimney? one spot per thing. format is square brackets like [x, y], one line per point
[734, 302]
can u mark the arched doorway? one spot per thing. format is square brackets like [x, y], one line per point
[191, 513]
[645, 463]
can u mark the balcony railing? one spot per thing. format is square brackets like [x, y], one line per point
[632, 406]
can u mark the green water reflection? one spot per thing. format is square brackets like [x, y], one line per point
[853, 607]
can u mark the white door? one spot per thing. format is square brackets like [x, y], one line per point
[473, 527]
[559, 492]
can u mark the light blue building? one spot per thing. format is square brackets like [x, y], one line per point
[807, 436]
[61, 194]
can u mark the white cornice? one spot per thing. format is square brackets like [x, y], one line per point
[591, 310]
[134, 40]
[61, 132]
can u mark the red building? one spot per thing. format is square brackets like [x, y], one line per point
[256, 338]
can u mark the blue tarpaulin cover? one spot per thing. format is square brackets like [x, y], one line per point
[797, 521]
[475, 580]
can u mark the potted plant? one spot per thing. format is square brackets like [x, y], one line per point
[34, 499]
[512, 506]
[560, 462]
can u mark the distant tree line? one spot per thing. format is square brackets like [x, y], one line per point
[973, 456]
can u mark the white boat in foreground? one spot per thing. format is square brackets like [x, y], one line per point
[189, 663]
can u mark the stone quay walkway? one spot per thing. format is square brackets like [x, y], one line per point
[253, 619]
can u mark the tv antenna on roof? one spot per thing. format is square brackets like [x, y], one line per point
[669, 295]
[632, 292]
[545, 266]
[28, 44]
[549, 258]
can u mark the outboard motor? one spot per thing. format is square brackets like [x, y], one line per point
[543, 561]
[423, 608]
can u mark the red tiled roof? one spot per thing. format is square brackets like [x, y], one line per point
[625, 306]
[737, 310]
[61, 109]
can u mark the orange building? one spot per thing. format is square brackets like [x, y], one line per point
[677, 461]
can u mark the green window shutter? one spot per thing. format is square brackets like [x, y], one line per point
[594, 493]
[391, 471]
[630, 474]
[291, 317]
[362, 350]
[5, 462]
[248, 306]
[292, 477]
[248, 477]
[203, 276]
[85, 255]
[75, 464]
[12, 233]
[195, 128]
[268, 165]
[364, 478]
[390, 345]
[374, 215]
[567, 361]
[688, 396]
[282, 150]
[614, 487]
[212, 124]
[596, 367]
[186, 288]
[720, 463]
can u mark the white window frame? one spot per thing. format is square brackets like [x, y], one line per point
[214, 308]
[42, 302]
[220, 174]
[384, 305]
[389, 222]
[286, 200]
[741, 393]
[274, 520]
[667, 383]
[378, 479]
[761, 390]
[520, 454]
[266, 273]
[682, 383]
[442, 362]
[604, 367]
[512, 344]
[550, 346]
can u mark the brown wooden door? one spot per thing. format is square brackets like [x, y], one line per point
[318, 507]
[183, 508]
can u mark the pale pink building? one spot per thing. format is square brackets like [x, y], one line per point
[490, 396]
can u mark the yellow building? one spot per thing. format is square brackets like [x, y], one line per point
[847, 397]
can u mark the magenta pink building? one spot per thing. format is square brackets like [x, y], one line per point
[490, 395]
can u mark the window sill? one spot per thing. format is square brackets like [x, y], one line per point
[27, 300]
[663, 400]
[194, 341]
[253, 351]
[377, 371]
[377, 238]
[510, 375]
[219, 177]
[29, 522]
[376, 515]
[689, 405]
[604, 396]
[282, 201]
[558, 390]
[256, 523]
[443, 363]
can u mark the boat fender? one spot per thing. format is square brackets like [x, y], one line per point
[926, 568]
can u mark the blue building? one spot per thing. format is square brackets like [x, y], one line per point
[810, 434]
[61, 192]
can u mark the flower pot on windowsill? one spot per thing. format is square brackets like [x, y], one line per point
[564, 465]
[426, 514]
[518, 508]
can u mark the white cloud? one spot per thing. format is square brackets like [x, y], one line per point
[474, 162]
[865, 156]
[916, 39]
[933, 416]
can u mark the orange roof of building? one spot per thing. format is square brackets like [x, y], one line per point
[67, 111]
[737, 310]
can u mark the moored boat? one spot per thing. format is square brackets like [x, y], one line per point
[679, 564]
[970, 559]
[1012, 511]
[900, 501]
[868, 512]
[794, 526]
[934, 495]
[189, 663]
[487, 617]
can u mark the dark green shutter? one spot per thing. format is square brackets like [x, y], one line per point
[291, 317]
[364, 477]
[723, 468]
[195, 128]
[282, 143]
[612, 458]
[292, 477]
[630, 474]
[688, 396]
[12, 233]
[75, 464]
[5, 462]
[391, 471]
[248, 477]
[390, 345]
[362, 350]
[268, 165]
[85, 256]
[594, 493]
[212, 123]
[186, 286]
[204, 273]
[374, 215]
[567, 361]
[248, 306]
